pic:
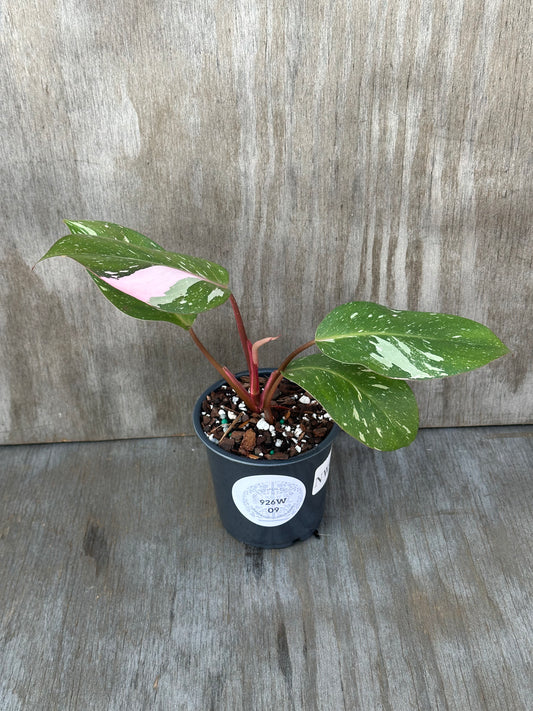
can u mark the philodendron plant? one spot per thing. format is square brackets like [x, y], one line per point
[367, 351]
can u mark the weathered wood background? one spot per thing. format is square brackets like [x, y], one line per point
[322, 150]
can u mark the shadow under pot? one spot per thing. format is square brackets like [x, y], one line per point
[267, 503]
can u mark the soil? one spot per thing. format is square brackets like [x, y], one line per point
[300, 423]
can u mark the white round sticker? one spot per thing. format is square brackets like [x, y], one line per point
[268, 500]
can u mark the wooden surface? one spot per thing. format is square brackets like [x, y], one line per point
[120, 590]
[322, 151]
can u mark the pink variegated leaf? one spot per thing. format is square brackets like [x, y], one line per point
[125, 262]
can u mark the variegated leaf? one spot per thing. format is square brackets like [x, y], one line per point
[379, 412]
[406, 344]
[96, 228]
[130, 263]
[133, 307]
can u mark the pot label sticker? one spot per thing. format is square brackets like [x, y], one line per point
[268, 500]
[321, 475]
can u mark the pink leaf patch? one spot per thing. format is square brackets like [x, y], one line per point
[152, 282]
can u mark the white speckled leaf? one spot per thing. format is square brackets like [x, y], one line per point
[130, 263]
[379, 412]
[96, 228]
[406, 344]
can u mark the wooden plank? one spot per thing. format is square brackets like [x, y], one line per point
[321, 151]
[120, 590]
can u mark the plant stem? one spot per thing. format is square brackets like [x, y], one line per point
[225, 373]
[274, 379]
[247, 347]
[245, 341]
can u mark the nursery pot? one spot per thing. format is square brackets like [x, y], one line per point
[268, 503]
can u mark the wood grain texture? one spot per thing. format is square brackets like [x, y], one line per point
[120, 589]
[322, 151]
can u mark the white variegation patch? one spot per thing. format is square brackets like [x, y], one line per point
[216, 293]
[399, 355]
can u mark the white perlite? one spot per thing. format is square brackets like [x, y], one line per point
[263, 424]
[305, 400]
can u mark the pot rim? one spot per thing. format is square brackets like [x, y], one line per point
[326, 442]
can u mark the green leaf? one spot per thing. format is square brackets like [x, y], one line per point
[133, 307]
[406, 344]
[95, 228]
[130, 263]
[379, 412]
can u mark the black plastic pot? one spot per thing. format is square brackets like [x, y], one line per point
[268, 503]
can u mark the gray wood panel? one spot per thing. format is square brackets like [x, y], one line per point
[322, 151]
[120, 589]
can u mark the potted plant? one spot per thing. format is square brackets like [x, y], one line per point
[268, 433]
